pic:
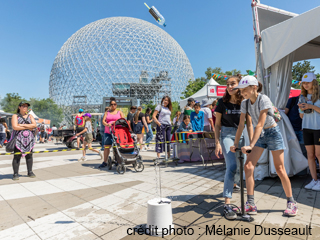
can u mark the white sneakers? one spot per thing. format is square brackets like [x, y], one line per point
[82, 159]
[313, 185]
[144, 149]
[317, 186]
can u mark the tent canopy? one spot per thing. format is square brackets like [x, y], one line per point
[299, 35]
[201, 94]
[31, 112]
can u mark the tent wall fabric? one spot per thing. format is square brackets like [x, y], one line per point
[201, 94]
[280, 81]
[275, 55]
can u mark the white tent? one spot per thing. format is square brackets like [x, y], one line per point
[201, 94]
[31, 112]
[281, 39]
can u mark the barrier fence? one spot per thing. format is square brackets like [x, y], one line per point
[68, 150]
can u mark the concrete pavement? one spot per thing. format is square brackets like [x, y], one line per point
[75, 200]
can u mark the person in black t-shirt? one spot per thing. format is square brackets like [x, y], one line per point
[227, 120]
[130, 116]
[292, 111]
[139, 120]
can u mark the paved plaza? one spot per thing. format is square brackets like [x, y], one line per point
[75, 200]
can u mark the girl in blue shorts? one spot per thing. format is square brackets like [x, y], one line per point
[266, 135]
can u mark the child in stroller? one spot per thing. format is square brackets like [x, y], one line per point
[125, 149]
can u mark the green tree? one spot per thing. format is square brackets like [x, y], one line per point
[175, 108]
[233, 72]
[193, 87]
[299, 69]
[211, 71]
[48, 109]
[11, 101]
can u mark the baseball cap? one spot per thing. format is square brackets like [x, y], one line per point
[80, 110]
[206, 102]
[247, 81]
[87, 115]
[308, 77]
[21, 103]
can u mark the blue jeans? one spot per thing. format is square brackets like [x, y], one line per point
[3, 137]
[299, 135]
[149, 135]
[271, 139]
[227, 137]
[102, 139]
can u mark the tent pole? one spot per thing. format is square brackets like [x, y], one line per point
[257, 38]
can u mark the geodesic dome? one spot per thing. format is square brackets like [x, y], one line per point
[113, 53]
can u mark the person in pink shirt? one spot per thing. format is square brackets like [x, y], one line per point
[109, 118]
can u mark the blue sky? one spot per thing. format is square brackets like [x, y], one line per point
[212, 33]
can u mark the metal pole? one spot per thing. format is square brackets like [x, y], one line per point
[165, 144]
[241, 183]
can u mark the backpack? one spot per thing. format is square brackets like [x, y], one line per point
[79, 120]
[276, 113]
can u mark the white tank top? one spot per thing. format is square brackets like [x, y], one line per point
[2, 128]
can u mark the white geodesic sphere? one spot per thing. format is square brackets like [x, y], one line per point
[116, 50]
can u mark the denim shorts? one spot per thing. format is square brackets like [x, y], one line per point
[271, 139]
[108, 139]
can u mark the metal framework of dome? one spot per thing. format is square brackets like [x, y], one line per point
[118, 56]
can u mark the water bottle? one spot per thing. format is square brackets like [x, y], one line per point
[302, 99]
[157, 16]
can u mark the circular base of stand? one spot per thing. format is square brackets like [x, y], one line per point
[245, 218]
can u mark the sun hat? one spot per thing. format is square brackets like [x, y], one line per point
[87, 115]
[247, 81]
[308, 77]
[206, 102]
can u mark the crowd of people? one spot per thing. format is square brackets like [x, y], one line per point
[242, 105]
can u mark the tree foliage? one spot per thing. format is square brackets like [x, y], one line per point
[193, 87]
[299, 69]
[196, 85]
[10, 102]
[43, 108]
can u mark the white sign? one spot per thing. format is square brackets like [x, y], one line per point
[212, 91]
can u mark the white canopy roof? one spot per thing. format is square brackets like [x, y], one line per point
[300, 34]
[33, 114]
[201, 94]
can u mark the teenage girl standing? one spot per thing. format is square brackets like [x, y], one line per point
[228, 112]
[310, 114]
[266, 135]
[163, 125]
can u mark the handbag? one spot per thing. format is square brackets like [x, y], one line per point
[12, 143]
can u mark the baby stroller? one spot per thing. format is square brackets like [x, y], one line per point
[125, 149]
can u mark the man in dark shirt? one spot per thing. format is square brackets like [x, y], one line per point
[131, 115]
[292, 111]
